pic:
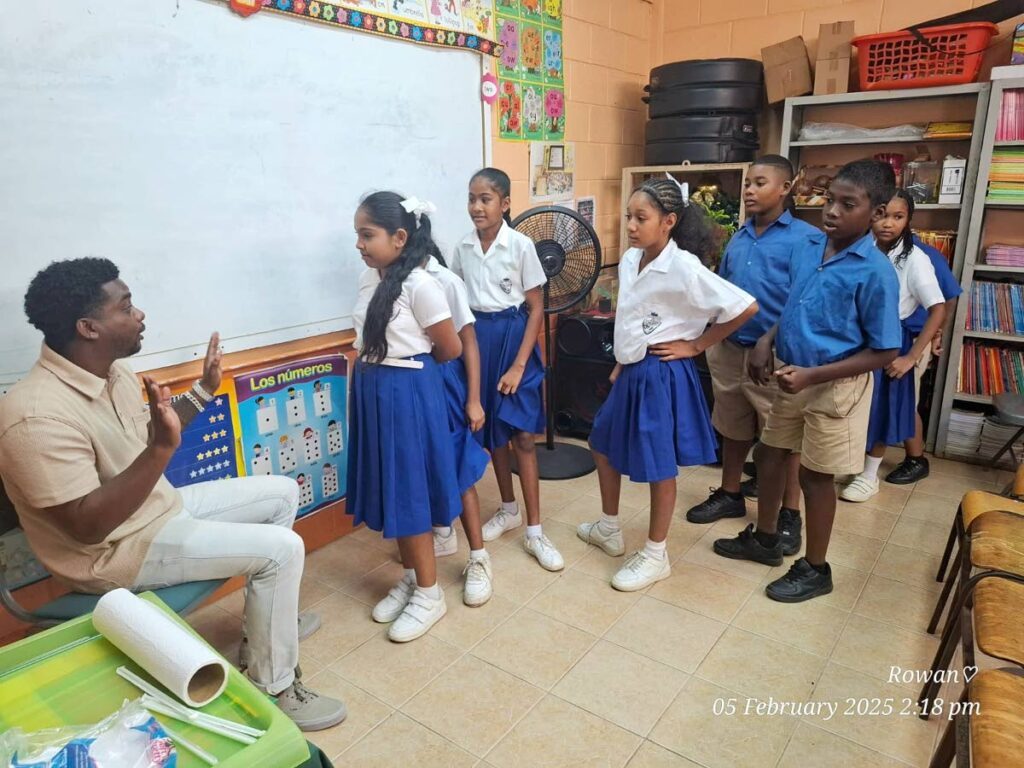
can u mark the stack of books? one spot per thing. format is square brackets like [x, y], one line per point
[949, 131]
[964, 435]
[1005, 255]
[993, 437]
[1006, 176]
[996, 307]
[990, 370]
[1011, 117]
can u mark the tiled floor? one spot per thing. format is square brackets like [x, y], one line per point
[561, 670]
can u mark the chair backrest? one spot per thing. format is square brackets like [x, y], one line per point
[1017, 489]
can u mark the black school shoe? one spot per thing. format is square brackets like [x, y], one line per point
[749, 488]
[789, 531]
[746, 547]
[802, 582]
[718, 505]
[910, 470]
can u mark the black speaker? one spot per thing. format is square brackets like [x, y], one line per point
[583, 336]
[584, 361]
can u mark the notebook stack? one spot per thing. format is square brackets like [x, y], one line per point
[1005, 255]
[1006, 176]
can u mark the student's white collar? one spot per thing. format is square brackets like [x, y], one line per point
[500, 240]
[660, 263]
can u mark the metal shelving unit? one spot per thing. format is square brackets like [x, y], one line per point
[923, 101]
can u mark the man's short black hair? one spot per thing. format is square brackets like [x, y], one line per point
[777, 161]
[873, 176]
[63, 293]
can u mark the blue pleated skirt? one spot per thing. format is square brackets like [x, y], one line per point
[892, 404]
[401, 464]
[471, 459]
[654, 421]
[499, 335]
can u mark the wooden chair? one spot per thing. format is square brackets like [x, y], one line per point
[987, 730]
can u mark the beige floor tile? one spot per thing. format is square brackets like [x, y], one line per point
[938, 510]
[909, 566]
[690, 728]
[847, 584]
[650, 755]
[755, 666]
[954, 486]
[555, 495]
[890, 498]
[853, 550]
[602, 566]
[626, 688]
[635, 495]
[518, 576]
[701, 554]
[865, 520]
[364, 712]
[900, 734]
[971, 471]
[346, 625]
[901, 604]
[373, 586]
[364, 535]
[534, 647]
[463, 626]
[584, 508]
[708, 592]
[473, 704]
[556, 733]
[395, 672]
[812, 626]
[874, 648]
[584, 602]
[345, 561]
[666, 633]
[920, 534]
[399, 740]
[812, 746]
[219, 628]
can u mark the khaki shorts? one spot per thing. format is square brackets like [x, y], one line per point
[741, 406]
[826, 423]
[919, 371]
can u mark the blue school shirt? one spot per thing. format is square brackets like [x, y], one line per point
[947, 284]
[760, 266]
[838, 307]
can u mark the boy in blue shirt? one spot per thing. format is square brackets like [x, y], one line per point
[840, 322]
[756, 260]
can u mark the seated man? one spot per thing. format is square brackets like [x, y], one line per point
[82, 457]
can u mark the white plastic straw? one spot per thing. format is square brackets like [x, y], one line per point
[155, 706]
[195, 749]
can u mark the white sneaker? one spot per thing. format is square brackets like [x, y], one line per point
[445, 545]
[859, 489]
[420, 614]
[640, 571]
[391, 607]
[501, 522]
[593, 533]
[477, 589]
[542, 549]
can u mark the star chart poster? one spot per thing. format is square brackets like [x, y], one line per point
[207, 450]
[293, 422]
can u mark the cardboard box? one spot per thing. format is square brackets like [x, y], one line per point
[835, 40]
[831, 76]
[787, 71]
[951, 188]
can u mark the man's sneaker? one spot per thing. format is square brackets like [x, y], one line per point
[542, 549]
[718, 505]
[789, 531]
[749, 488]
[910, 470]
[640, 571]
[309, 622]
[445, 545]
[594, 533]
[391, 607]
[802, 582]
[477, 588]
[420, 614]
[501, 522]
[746, 547]
[310, 711]
[859, 489]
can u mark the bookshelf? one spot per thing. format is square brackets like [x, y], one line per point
[878, 109]
[983, 328]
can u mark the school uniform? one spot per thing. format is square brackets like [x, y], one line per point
[759, 264]
[655, 418]
[835, 309]
[470, 459]
[401, 464]
[497, 282]
[893, 402]
[950, 288]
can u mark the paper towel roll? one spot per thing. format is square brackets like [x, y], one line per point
[185, 665]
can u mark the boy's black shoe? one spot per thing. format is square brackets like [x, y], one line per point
[749, 488]
[910, 470]
[720, 504]
[789, 531]
[802, 582]
[750, 469]
[746, 547]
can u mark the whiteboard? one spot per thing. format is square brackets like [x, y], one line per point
[218, 161]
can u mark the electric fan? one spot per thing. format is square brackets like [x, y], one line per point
[570, 253]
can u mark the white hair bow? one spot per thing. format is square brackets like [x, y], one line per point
[684, 188]
[418, 207]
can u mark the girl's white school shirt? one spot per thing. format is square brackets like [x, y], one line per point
[919, 287]
[454, 291]
[675, 297]
[421, 304]
[499, 278]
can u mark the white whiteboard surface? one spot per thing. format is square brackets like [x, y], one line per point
[217, 160]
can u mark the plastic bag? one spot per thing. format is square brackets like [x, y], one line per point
[840, 131]
[129, 738]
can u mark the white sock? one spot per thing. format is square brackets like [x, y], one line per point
[434, 592]
[512, 507]
[871, 465]
[409, 575]
[533, 532]
[655, 549]
[444, 531]
[609, 523]
[478, 554]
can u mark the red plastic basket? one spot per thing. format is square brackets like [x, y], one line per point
[947, 55]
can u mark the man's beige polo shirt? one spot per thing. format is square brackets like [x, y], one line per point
[63, 433]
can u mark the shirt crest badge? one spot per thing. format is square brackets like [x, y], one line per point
[651, 323]
[506, 285]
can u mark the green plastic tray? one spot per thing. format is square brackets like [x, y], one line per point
[66, 676]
